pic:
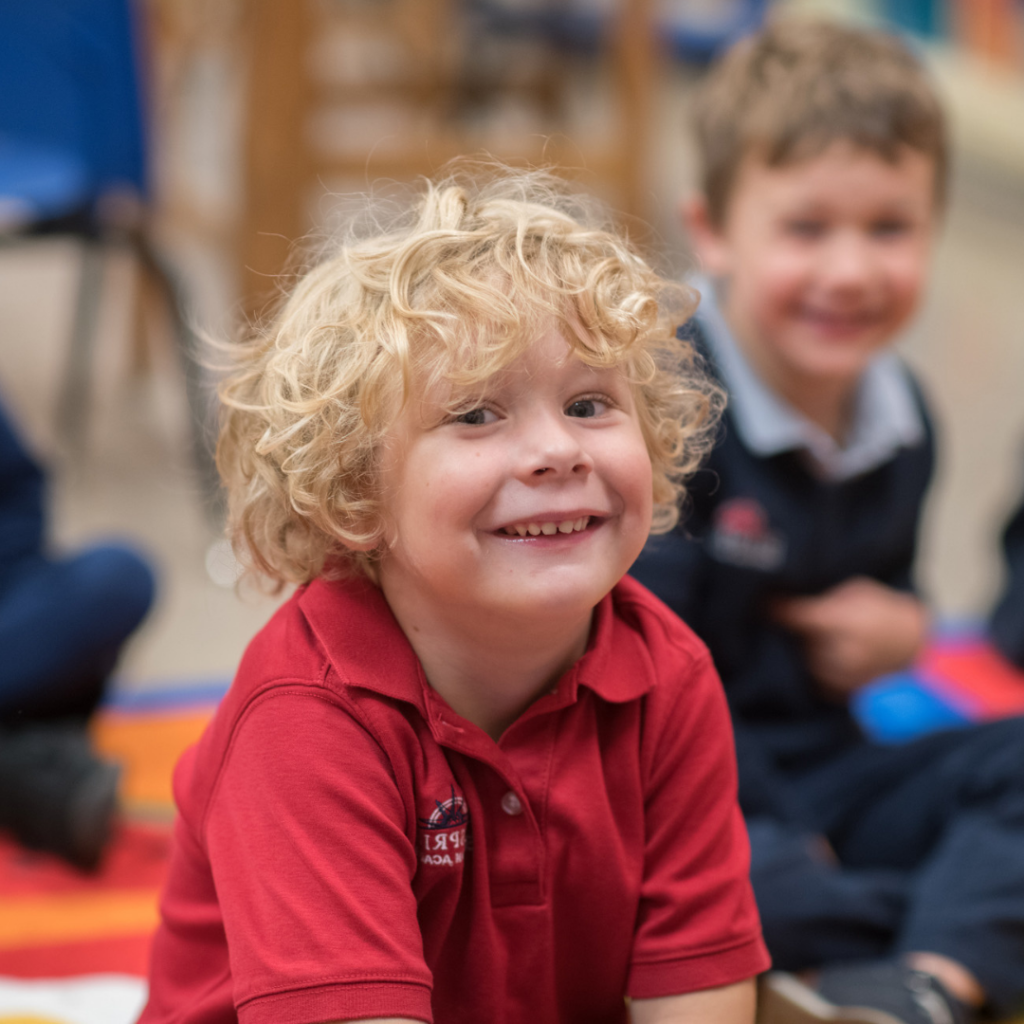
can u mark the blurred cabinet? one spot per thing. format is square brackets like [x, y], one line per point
[343, 93]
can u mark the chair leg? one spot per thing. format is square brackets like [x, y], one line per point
[73, 401]
[198, 391]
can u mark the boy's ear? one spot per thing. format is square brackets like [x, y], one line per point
[706, 236]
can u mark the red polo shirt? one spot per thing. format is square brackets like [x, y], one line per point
[349, 847]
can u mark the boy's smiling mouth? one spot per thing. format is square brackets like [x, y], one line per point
[546, 528]
[841, 320]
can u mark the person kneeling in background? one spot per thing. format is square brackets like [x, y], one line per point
[63, 621]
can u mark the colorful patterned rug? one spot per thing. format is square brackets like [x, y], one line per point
[74, 947]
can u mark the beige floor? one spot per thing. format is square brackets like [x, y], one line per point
[133, 476]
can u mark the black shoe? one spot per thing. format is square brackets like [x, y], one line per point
[55, 794]
[867, 993]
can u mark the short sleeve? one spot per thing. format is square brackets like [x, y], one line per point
[307, 838]
[697, 925]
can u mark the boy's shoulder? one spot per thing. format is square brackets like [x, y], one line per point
[332, 634]
[335, 641]
[668, 642]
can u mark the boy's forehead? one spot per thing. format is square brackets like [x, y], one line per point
[543, 354]
[877, 175]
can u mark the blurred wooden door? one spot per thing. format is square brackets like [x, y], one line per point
[353, 91]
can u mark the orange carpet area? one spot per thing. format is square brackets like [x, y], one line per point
[74, 947]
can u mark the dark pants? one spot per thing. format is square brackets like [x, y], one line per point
[930, 844]
[62, 624]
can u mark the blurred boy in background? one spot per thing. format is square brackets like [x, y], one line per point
[897, 872]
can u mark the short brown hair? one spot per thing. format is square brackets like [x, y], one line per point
[450, 289]
[790, 91]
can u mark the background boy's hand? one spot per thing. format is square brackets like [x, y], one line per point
[856, 631]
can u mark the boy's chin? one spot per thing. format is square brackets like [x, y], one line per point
[834, 365]
[541, 607]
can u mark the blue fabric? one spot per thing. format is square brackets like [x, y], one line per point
[22, 497]
[930, 843]
[928, 835]
[1007, 622]
[63, 620]
[69, 82]
[38, 183]
[63, 623]
[814, 911]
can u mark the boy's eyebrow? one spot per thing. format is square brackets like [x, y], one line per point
[814, 207]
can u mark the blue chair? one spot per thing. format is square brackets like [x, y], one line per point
[73, 160]
[577, 25]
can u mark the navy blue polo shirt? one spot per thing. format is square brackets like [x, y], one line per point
[774, 512]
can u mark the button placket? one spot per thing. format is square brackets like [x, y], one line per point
[511, 804]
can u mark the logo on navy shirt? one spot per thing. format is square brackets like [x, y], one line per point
[445, 833]
[741, 535]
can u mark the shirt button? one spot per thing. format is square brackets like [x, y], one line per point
[511, 804]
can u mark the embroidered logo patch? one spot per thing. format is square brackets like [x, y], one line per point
[445, 833]
[740, 535]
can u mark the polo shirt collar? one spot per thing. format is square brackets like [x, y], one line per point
[886, 417]
[362, 638]
[367, 647]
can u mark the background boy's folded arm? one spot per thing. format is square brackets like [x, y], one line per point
[856, 631]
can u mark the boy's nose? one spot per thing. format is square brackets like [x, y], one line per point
[848, 262]
[551, 448]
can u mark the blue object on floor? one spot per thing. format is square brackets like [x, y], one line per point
[898, 708]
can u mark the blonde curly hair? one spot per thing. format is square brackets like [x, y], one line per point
[448, 292]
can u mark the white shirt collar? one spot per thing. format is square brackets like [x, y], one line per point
[886, 417]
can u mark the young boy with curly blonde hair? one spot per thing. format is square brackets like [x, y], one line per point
[895, 873]
[468, 771]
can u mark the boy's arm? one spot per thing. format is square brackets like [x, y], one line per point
[856, 631]
[730, 1004]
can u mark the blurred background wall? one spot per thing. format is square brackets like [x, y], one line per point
[262, 114]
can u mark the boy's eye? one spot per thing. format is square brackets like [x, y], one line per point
[889, 228]
[476, 417]
[805, 228]
[584, 408]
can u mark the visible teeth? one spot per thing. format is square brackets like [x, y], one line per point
[547, 529]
